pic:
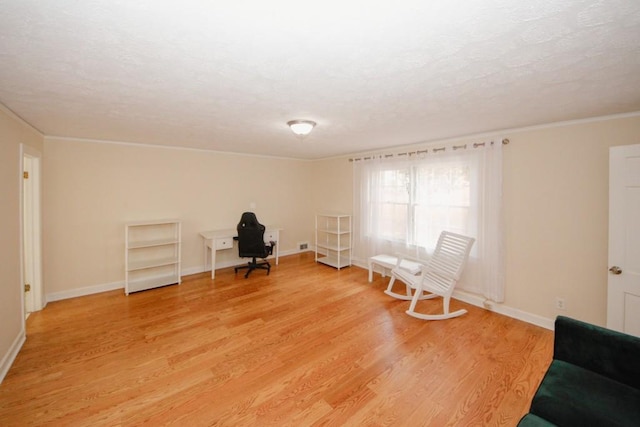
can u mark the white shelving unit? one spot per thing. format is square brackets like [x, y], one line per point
[152, 255]
[333, 239]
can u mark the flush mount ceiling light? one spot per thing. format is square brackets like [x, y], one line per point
[301, 127]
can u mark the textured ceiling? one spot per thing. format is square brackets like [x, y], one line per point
[227, 76]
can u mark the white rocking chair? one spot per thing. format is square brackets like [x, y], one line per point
[438, 278]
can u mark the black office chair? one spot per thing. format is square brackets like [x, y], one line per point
[251, 243]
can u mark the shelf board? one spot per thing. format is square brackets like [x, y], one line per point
[156, 222]
[141, 265]
[333, 261]
[333, 231]
[333, 215]
[153, 243]
[333, 247]
[152, 282]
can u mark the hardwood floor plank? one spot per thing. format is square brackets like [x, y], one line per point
[306, 345]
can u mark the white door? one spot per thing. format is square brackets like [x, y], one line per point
[623, 306]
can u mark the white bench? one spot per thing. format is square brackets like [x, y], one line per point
[388, 262]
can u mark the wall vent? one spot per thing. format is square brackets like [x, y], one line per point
[303, 246]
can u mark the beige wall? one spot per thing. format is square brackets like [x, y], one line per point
[556, 209]
[12, 133]
[93, 189]
[556, 213]
[555, 192]
[332, 186]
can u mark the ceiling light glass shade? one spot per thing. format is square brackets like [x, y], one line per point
[301, 127]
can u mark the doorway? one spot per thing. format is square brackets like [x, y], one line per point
[31, 229]
[623, 304]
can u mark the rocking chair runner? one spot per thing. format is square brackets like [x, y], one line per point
[438, 278]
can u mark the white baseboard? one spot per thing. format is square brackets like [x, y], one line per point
[476, 300]
[10, 356]
[481, 302]
[105, 287]
[472, 299]
[87, 290]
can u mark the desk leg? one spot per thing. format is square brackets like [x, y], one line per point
[208, 244]
[213, 262]
[204, 252]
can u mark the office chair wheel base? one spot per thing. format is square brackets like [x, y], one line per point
[254, 266]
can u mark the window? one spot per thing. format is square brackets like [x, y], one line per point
[413, 204]
[391, 201]
[403, 203]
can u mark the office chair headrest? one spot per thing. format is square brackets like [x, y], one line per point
[248, 219]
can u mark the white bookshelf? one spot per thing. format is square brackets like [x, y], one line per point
[333, 239]
[152, 254]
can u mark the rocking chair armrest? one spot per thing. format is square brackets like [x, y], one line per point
[405, 276]
[409, 264]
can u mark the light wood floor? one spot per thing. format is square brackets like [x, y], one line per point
[307, 345]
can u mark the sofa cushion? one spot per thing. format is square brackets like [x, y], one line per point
[572, 396]
[531, 420]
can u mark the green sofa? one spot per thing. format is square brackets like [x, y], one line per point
[593, 379]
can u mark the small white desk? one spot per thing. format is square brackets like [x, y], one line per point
[217, 240]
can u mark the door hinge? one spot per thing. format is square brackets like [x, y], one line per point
[25, 175]
[27, 287]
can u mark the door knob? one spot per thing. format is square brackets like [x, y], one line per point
[615, 270]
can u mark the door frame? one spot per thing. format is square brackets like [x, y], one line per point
[35, 157]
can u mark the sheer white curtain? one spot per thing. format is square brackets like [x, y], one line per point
[402, 203]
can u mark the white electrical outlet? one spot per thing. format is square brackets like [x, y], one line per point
[560, 304]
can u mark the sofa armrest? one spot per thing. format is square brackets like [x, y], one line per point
[613, 354]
